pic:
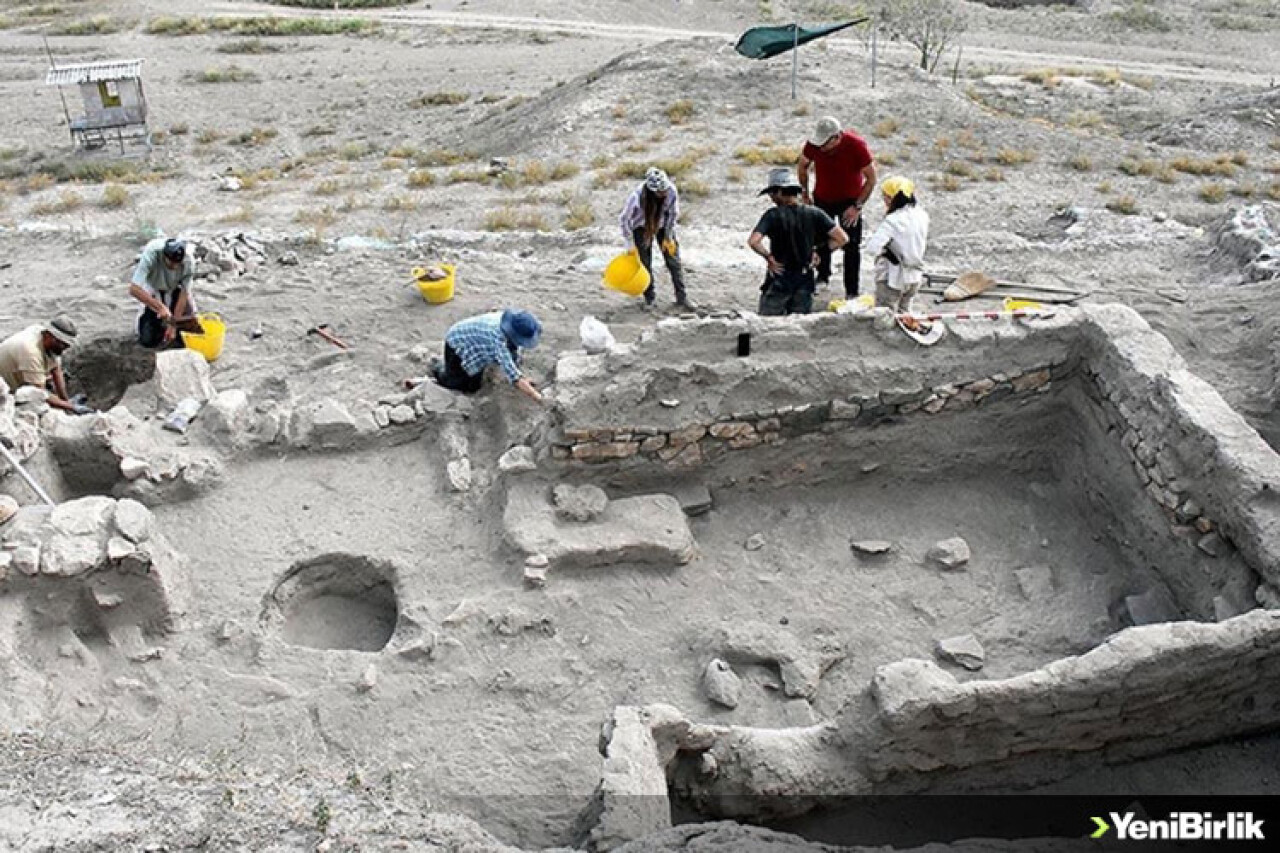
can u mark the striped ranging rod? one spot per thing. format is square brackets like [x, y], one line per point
[1017, 314]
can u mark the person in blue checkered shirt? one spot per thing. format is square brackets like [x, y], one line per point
[472, 345]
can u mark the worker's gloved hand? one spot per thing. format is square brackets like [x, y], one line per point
[632, 250]
[669, 246]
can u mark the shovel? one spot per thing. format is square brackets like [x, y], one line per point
[17, 466]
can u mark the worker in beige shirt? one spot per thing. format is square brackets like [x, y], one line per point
[31, 357]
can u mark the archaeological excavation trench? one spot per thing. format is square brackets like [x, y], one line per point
[702, 585]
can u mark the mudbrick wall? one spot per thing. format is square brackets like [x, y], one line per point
[1146, 690]
[679, 398]
[1213, 476]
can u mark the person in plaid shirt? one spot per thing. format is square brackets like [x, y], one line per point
[650, 213]
[472, 345]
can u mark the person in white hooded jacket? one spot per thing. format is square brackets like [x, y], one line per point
[898, 245]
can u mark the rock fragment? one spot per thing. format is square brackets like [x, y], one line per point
[517, 460]
[871, 546]
[950, 553]
[182, 374]
[459, 473]
[722, 684]
[755, 542]
[964, 651]
[579, 503]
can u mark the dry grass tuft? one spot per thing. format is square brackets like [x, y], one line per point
[66, 202]
[254, 137]
[885, 127]
[420, 178]
[681, 111]
[1014, 156]
[1081, 163]
[515, 219]
[1084, 119]
[1212, 193]
[465, 176]
[1126, 205]
[396, 203]
[113, 197]
[949, 183]
[579, 213]
[441, 157]
[768, 155]
[1047, 77]
[1220, 166]
[438, 99]
[229, 74]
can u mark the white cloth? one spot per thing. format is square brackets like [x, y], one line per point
[906, 231]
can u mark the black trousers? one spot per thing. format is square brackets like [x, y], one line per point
[151, 329]
[787, 293]
[645, 251]
[451, 374]
[852, 250]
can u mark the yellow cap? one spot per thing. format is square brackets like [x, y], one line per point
[895, 184]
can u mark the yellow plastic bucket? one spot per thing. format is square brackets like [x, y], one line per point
[626, 274]
[435, 292]
[209, 342]
[1011, 304]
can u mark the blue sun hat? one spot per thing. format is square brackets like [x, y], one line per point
[521, 328]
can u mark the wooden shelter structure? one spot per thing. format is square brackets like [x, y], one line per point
[115, 107]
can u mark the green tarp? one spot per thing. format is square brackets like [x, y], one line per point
[764, 42]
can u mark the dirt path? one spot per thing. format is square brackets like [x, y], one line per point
[1192, 68]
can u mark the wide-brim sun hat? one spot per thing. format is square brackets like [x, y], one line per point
[521, 328]
[63, 329]
[781, 178]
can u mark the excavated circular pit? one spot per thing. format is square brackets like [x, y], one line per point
[104, 368]
[337, 601]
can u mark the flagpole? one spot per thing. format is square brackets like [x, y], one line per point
[795, 51]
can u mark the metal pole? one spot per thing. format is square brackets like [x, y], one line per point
[874, 53]
[17, 466]
[65, 111]
[955, 72]
[795, 56]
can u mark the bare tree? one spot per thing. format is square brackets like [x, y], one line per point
[931, 26]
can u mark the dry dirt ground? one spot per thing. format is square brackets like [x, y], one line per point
[368, 153]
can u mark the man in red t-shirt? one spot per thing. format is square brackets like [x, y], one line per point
[846, 177]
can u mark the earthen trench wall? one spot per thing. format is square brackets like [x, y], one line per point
[1194, 463]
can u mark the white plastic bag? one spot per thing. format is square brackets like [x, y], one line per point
[596, 337]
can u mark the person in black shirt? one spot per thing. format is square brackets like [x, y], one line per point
[794, 231]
